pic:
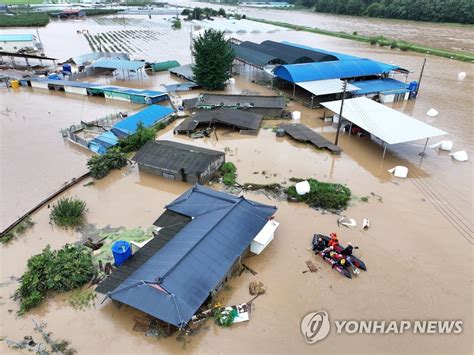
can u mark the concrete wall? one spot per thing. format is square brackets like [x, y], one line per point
[14, 46]
[75, 90]
[39, 85]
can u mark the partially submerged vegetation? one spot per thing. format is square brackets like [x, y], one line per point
[60, 270]
[229, 173]
[101, 165]
[403, 45]
[68, 212]
[322, 194]
[27, 19]
[82, 299]
[137, 140]
[18, 230]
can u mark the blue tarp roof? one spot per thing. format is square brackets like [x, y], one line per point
[176, 281]
[118, 64]
[339, 56]
[149, 116]
[350, 68]
[380, 85]
[16, 38]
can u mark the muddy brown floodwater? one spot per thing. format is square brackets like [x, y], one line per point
[418, 249]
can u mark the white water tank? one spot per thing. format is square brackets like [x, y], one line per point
[296, 115]
[460, 155]
[399, 171]
[432, 112]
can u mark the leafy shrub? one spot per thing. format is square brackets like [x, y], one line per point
[176, 24]
[68, 212]
[137, 140]
[100, 165]
[229, 173]
[323, 194]
[59, 270]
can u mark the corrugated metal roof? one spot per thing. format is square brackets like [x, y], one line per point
[332, 70]
[326, 87]
[339, 56]
[391, 126]
[176, 281]
[148, 116]
[228, 116]
[186, 71]
[254, 57]
[17, 38]
[118, 64]
[125, 90]
[76, 84]
[381, 85]
[174, 156]
[241, 101]
[90, 57]
[303, 133]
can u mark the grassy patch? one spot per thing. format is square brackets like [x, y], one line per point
[60, 270]
[68, 212]
[323, 194]
[382, 41]
[229, 173]
[18, 230]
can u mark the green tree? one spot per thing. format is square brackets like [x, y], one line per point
[213, 57]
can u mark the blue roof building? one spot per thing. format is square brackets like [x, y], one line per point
[340, 69]
[148, 117]
[175, 282]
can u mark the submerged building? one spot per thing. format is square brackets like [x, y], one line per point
[203, 237]
[314, 75]
[177, 161]
[18, 42]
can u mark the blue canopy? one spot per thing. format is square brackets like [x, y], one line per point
[118, 64]
[149, 117]
[176, 281]
[381, 85]
[350, 68]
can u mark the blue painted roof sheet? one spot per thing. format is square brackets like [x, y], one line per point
[339, 56]
[350, 68]
[380, 85]
[118, 64]
[16, 38]
[176, 281]
[139, 92]
[148, 116]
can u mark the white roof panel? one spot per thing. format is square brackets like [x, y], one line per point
[326, 87]
[389, 125]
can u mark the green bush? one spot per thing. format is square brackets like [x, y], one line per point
[30, 19]
[100, 165]
[137, 140]
[229, 173]
[19, 229]
[68, 212]
[176, 24]
[60, 270]
[323, 194]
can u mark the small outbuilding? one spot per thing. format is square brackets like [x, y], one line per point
[178, 161]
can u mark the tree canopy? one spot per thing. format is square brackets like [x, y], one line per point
[457, 11]
[213, 57]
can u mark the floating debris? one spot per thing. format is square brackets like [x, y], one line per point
[347, 222]
[257, 288]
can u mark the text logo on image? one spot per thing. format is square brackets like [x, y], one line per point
[315, 326]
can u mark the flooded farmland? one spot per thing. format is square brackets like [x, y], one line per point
[414, 271]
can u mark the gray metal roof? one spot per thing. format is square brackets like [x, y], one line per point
[176, 281]
[227, 116]
[173, 156]
[186, 71]
[303, 133]
[240, 101]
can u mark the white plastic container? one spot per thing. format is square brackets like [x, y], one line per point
[399, 171]
[302, 188]
[460, 155]
[432, 112]
[462, 75]
[296, 115]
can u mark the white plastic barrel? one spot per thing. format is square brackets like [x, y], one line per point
[296, 115]
[399, 171]
[302, 188]
[460, 155]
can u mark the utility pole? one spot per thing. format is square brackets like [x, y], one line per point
[344, 86]
[419, 80]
